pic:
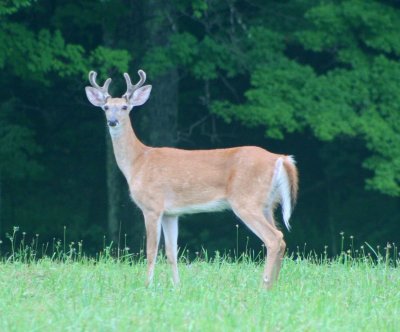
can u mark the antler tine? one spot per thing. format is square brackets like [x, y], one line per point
[106, 84]
[142, 75]
[128, 83]
[104, 88]
[131, 88]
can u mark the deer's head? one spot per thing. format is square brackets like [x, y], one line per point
[117, 109]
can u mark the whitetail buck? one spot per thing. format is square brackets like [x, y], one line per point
[166, 182]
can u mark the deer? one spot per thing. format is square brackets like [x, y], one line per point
[166, 182]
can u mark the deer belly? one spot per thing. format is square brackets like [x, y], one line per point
[211, 206]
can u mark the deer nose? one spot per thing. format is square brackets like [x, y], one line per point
[112, 123]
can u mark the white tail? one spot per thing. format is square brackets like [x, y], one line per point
[168, 182]
[284, 186]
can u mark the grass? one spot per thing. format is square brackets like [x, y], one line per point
[63, 293]
[214, 296]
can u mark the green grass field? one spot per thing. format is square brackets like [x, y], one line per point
[218, 295]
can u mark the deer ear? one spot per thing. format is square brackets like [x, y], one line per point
[140, 96]
[96, 97]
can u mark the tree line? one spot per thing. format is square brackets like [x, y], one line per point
[315, 79]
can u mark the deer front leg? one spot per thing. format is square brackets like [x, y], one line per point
[153, 232]
[170, 230]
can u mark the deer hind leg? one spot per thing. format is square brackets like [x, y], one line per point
[153, 232]
[269, 215]
[254, 218]
[170, 230]
[281, 255]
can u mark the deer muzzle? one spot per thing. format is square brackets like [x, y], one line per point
[113, 122]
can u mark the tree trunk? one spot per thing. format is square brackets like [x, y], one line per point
[114, 179]
[162, 108]
[1, 201]
[331, 216]
[114, 192]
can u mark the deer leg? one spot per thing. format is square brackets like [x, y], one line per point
[153, 232]
[270, 217]
[170, 230]
[271, 237]
[281, 255]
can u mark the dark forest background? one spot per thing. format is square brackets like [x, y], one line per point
[316, 79]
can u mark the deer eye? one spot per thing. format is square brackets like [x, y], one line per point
[106, 108]
[124, 107]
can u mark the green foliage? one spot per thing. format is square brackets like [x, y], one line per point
[35, 54]
[317, 79]
[8, 7]
[18, 147]
[43, 75]
[199, 7]
[29, 60]
[357, 96]
[202, 58]
[106, 59]
[348, 26]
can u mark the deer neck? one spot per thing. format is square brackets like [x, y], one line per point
[127, 148]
